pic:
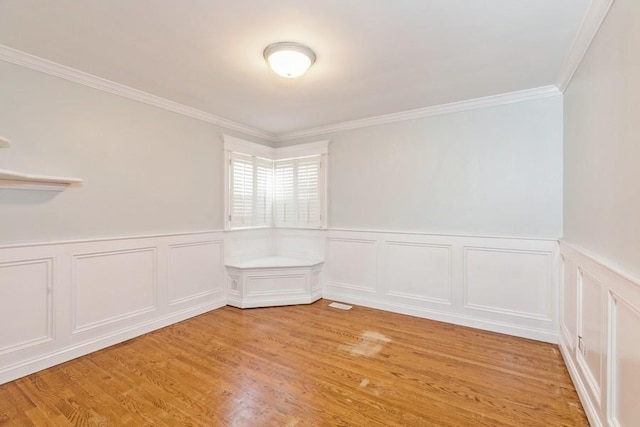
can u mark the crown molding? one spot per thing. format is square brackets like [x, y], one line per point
[454, 107]
[591, 23]
[32, 62]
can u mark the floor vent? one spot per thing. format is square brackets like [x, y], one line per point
[340, 306]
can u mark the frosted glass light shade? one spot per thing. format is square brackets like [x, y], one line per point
[288, 59]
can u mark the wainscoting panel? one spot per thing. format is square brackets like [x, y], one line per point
[512, 282]
[418, 271]
[286, 284]
[624, 362]
[195, 270]
[592, 301]
[351, 265]
[569, 304]
[113, 285]
[25, 303]
[67, 299]
[505, 285]
[604, 363]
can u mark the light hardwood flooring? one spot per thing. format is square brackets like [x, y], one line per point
[303, 366]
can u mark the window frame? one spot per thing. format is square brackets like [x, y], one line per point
[233, 144]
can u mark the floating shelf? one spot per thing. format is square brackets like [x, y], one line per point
[23, 181]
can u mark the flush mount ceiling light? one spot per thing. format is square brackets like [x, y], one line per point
[289, 59]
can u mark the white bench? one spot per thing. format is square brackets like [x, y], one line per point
[273, 281]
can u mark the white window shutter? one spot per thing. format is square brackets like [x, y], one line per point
[308, 197]
[284, 193]
[264, 192]
[242, 190]
[284, 199]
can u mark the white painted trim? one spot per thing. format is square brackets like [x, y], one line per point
[454, 107]
[365, 280]
[440, 316]
[32, 62]
[66, 336]
[50, 330]
[75, 327]
[106, 239]
[613, 300]
[599, 261]
[238, 145]
[302, 150]
[10, 373]
[196, 296]
[594, 386]
[583, 394]
[548, 317]
[591, 23]
[616, 288]
[226, 202]
[418, 298]
[421, 233]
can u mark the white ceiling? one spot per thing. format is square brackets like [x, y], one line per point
[375, 57]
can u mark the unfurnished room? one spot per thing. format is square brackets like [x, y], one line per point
[320, 213]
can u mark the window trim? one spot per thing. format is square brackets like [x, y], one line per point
[233, 144]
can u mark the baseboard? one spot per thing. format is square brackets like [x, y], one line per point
[503, 328]
[44, 361]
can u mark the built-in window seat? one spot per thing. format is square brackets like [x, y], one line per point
[273, 281]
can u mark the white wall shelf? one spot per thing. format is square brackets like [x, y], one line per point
[22, 181]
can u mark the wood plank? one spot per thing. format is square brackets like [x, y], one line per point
[304, 366]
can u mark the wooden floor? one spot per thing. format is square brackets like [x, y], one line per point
[303, 366]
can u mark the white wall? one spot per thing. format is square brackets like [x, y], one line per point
[600, 288]
[488, 171]
[146, 170]
[602, 143]
[407, 201]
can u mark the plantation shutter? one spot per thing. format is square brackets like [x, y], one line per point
[308, 197]
[284, 193]
[241, 197]
[251, 191]
[264, 192]
[297, 192]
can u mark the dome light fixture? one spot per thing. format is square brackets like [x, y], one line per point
[289, 59]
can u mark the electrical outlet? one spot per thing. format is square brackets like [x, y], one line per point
[581, 346]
